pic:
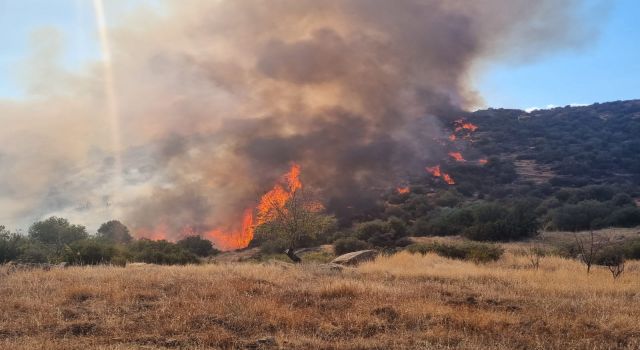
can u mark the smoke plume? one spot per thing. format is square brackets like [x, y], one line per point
[216, 99]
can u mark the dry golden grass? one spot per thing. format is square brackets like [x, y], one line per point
[401, 301]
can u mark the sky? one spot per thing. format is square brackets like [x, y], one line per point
[605, 70]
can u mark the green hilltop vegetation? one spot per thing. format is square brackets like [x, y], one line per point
[561, 169]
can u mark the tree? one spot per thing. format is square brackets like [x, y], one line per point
[589, 248]
[293, 216]
[10, 245]
[114, 231]
[197, 245]
[56, 233]
[613, 259]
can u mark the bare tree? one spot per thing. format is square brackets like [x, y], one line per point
[535, 253]
[588, 248]
[616, 269]
[613, 259]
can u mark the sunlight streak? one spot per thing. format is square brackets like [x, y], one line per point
[112, 103]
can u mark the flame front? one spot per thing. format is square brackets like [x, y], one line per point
[403, 190]
[448, 179]
[274, 202]
[457, 156]
[464, 125]
[232, 240]
[435, 171]
[160, 232]
[271, 204]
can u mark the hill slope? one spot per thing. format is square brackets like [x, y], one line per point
[575, 168]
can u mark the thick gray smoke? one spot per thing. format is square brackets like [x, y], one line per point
[216, 99]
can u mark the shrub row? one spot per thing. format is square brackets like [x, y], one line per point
[470, 251]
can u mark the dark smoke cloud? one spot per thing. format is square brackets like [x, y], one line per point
[217, 98]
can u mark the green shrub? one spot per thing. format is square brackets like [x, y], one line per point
[495, 222]
[198, 246]
[471, 251]
[384, 234]
[632, 249]
[611, 256]
[160, 252]
[624, 217]
[35, 252]
[585, 215]
[274, 246]
[444, 222]
[418, 248]
[91, 251]
[11, 245]
[350, 244]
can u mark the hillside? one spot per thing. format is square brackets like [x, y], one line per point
[574, 168]
[597, 144]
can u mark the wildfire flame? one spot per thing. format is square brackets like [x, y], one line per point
[235, 239]
[403, 190]
[457, 156]
[437, 172]
[452, 137]
[276, 199]
[448, 179]
[271, 203]
[434, 170]
[483, 161]
[464, 125]
[160, 232]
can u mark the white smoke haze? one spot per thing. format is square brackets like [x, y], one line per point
[217, 98]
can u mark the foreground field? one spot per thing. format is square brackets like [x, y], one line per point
[401, 301]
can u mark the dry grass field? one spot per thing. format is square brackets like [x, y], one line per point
[402, 301]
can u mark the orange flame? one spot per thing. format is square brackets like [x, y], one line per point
[160, 232]
[403, 190]
[483, 161]
[235, 239]
[452, 137]
[434, 170]
[271, 204]
[448, 179]
[437, 172]
[463, 125]
[457, 156]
